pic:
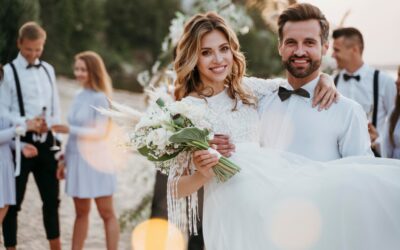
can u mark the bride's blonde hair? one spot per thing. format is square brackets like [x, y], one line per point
[187, 56]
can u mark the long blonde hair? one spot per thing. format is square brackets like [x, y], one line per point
[187, 56]
[99, 79]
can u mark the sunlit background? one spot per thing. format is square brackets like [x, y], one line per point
[136, 36]
[377, 20]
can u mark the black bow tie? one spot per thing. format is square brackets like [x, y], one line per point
[286, 93]
[34, 65]
[347, 77]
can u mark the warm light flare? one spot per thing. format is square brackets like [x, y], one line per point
[157, 234]
[105, 154]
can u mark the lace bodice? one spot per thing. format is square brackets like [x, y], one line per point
[242, 125]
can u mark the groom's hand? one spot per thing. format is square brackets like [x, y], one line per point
[222, 144]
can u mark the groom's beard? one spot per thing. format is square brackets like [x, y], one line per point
[301, 72]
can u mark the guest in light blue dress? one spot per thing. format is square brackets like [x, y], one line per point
[7, 175]
[89, 169]
[7, 178]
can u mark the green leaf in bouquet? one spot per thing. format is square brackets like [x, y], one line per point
[160, 102]
[179, 120]
[188, 135]
[146, 151]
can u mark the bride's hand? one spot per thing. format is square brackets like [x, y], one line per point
[204, 161]
[325, 92]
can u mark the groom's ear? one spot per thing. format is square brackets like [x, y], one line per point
[325, 47]
[279, 47]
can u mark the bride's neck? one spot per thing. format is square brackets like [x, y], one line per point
[208, 90]
[214, 88]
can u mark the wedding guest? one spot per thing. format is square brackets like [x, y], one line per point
[89, 172]
[373, 89]
[29, 92]
[7, 178]
[391, 134]
[7, 173]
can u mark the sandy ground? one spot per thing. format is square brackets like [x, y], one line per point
[135, 181]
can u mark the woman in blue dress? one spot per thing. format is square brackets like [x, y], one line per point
[7, 177]
[89, 171]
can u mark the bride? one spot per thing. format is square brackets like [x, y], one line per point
[278, 200]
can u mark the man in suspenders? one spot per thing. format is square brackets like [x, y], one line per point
[373, 89]
[29, 92]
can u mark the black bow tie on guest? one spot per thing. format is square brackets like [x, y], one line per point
[286, 93]
[34, 65]
[347, 77]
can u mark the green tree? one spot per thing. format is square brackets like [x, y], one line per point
[135, 31]
[260, 46]
[72, 26]
[14, 13]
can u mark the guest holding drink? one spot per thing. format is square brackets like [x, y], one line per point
[28, 88]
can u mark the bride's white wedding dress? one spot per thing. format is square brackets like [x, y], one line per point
[285, 201]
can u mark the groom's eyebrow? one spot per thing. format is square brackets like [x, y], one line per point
[310, 39]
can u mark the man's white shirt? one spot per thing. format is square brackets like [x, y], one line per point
[37, 92]
[295, 126]
[363, 93]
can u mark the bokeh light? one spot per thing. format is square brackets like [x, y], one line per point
[157, 234]
[107, 154]
[295, 224]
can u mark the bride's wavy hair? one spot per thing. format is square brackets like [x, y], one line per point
[187, 56]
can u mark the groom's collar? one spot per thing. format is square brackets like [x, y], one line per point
[310, 86]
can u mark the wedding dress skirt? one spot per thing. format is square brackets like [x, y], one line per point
[284, 201]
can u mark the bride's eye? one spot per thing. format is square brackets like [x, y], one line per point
[225, 49]
[206, 53]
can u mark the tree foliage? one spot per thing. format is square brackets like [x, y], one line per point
[127, 34]
[14, 13]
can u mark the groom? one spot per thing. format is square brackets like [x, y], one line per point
[288, 121]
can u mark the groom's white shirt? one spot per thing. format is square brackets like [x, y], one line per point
[295, 126]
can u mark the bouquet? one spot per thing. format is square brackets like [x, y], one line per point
[167, 130]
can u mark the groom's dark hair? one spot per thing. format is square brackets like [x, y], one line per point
[303, 12]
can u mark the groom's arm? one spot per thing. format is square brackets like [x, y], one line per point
[355, 140]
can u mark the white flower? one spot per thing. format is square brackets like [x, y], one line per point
[180, 107]
[159, 137]
[155, 119]
[155, 67]
[144, 78]
[165, 45]
[176, 28]
[195, 113]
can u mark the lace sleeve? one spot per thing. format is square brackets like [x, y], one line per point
[262, 87]
[182, 212]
